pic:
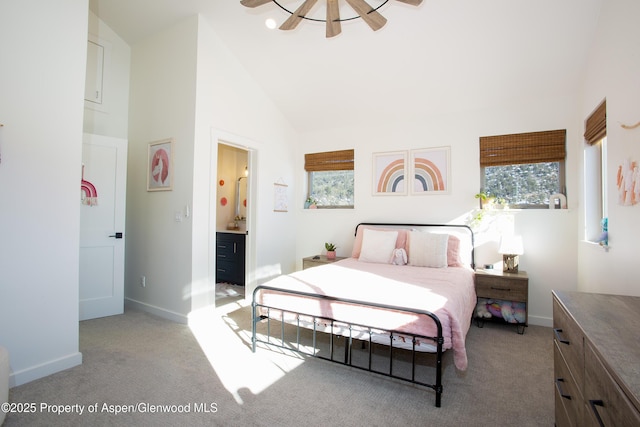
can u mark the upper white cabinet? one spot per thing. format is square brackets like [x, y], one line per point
[98, 51]
[95, 71]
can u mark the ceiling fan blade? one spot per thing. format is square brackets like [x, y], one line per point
[333, 18]
[368, 15]
[295, 18]
[411, 2]
[254, 3]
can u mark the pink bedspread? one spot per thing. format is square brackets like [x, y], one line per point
[449, 293]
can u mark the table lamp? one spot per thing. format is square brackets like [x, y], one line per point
[510, 248]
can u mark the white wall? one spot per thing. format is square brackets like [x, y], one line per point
[112, 117]
[43, 45]
[612, 73]
[185, 84]
[549, 236]
[163, 72]
[232, 108]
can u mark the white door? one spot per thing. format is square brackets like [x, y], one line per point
[102, 218]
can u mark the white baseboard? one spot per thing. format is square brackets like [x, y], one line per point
[158, 311]
[541, 321]
[45, 369]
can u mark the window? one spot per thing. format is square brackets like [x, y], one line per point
[330, 178]
[523, 170]
[595, 168]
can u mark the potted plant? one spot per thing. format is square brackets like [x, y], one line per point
[486, 201]
[310, 203]
[331, 250]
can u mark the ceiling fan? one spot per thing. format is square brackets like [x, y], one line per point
[368, 14]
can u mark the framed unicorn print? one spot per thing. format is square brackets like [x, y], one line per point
[160, 165]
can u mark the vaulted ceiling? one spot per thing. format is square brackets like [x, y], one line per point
[439, 57]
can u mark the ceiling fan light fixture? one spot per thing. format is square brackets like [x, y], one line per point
[270, 23]
[364, 10]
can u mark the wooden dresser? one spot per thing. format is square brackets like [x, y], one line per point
[596, 359]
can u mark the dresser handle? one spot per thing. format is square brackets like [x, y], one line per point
[593, 404]
[557, 331]
[558, 381]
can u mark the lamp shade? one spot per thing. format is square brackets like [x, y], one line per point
[510, 248]
[511, 245]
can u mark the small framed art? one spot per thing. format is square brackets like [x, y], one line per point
[389, 172]
[280, 199]
[430, 170]
[160, 165]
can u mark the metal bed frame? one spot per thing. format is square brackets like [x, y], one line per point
[348, 345]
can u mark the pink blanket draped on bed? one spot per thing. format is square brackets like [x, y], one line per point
[449, 293]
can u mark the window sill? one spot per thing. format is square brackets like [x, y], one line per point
[595, 245]
[318, 208]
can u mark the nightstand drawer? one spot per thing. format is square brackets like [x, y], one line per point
[504, 288]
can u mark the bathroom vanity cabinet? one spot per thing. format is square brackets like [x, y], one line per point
[230, 258]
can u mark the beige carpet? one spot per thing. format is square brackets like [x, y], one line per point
[139, 362]
[226, 290]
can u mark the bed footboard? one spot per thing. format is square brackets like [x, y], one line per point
[345, 332]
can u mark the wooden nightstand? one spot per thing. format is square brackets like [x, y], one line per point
[495, 284]
[314, 261]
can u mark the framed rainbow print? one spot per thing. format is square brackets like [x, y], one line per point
[430, 170]
[389, 173]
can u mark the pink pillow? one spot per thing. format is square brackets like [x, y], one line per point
[453, 252]
[401, 241]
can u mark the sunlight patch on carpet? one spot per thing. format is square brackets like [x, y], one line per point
[227, 346]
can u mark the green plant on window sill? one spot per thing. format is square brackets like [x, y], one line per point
[310, 203]
[488, 206]
[489, 202]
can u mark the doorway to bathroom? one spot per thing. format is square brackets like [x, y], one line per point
[232, 195]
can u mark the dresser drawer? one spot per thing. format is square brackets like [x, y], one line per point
[561, 414]
[502, 288]
[570, 342]
[604, 397]
[568, 395]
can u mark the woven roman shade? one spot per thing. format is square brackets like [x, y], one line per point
[532, 147]
[596, 125]
[329, 161]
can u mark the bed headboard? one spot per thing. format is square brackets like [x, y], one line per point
[459, 228]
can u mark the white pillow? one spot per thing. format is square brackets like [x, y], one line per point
[428, 249]
[378, 246]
